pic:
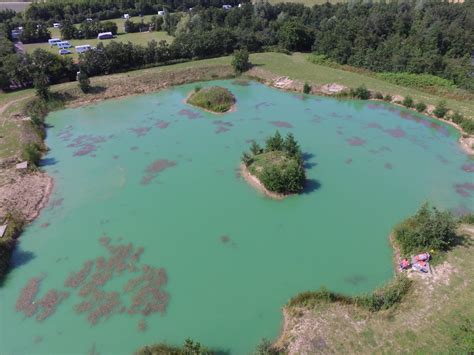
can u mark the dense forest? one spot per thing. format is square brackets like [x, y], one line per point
[430, 37]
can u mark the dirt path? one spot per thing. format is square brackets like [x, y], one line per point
[4, 107]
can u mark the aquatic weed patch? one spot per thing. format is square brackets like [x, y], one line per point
[155, 168]
[142, 294]
[281, 124]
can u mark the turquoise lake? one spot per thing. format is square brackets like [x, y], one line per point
[155, 172]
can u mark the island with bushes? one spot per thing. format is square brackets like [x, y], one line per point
[214, 99]
[277, 170]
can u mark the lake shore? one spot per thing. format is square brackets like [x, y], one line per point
[253, 181]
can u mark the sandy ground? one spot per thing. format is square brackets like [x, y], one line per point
[26, 193]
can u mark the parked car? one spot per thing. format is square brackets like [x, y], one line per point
[56, 25]
[64, 51]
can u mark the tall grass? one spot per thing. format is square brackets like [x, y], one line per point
[382, 298]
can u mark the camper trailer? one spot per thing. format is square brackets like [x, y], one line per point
[83, 48]
[105, 35]
[53, 41]
[63, 44]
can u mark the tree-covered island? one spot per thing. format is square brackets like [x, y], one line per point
[277, 168]
[214, 99]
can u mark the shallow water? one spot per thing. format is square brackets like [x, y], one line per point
[153, 171]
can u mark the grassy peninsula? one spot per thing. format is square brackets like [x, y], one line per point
[215, 99]
[278, 166]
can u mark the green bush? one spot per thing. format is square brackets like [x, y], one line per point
[246, 159]
[240, 61]
[420, 106]
[306, 88]
[84, 82]
[428, 229]
[457, 117]
[215, 99]
[189, 348]
[388, 98]
[264, 347]
[386, 297]
[468, 126]
[31, 153]
[408, 102]
[441, 110]
[378, 95]
[361, 92]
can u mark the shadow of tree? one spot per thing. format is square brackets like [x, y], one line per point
[21, 257]
[307, 164]
[311, 185]
[97, 89]
[48, 162]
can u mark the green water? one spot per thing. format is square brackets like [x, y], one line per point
[369, 165]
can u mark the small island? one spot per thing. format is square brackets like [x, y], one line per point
[214, 99]
[277, 170]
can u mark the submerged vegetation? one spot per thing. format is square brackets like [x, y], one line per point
[428, 229]
[214, 98]
[279, 166]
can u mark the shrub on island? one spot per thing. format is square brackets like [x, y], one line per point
[215, 99]
[189, 347]
[278, 166]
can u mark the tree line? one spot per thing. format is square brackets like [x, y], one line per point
[79, 10]
[416, 37]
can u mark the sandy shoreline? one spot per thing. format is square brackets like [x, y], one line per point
[253, 181]
[25, 193]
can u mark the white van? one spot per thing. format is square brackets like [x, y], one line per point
[64, 44]
[83, 48]
[105, 35]
[161, 13]
[56, 25]
[53, 41]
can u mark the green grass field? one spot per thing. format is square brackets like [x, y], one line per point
[141, 38]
